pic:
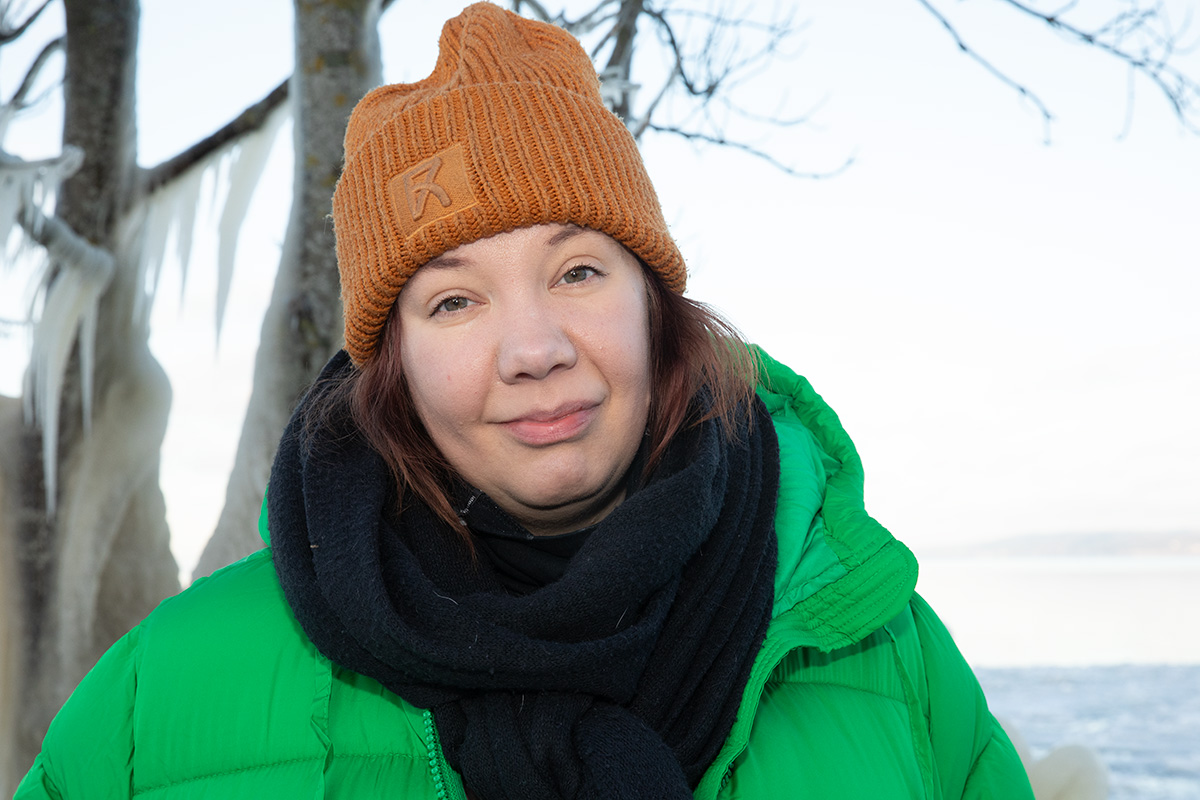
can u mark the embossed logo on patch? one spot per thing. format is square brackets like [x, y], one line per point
[420, 182]
[431, 190]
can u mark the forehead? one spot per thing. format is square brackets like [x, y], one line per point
[548, 236]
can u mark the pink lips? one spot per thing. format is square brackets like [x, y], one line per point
[550, 427]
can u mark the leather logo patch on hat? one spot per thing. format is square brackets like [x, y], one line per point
[431, 190]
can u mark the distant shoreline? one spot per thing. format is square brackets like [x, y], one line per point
[1126, 606]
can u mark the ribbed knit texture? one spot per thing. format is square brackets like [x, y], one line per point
[508, 131]
[620, 679]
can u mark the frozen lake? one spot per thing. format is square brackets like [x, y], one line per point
[1100, 651]
[1142, 721]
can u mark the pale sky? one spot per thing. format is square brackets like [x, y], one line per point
[1007, 328]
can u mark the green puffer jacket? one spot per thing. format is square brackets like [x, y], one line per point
[858, 692]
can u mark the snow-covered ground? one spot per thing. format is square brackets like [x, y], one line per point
[1142, 721]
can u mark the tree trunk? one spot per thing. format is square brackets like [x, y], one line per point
[337, 62]
[11, 639]
[102, 561]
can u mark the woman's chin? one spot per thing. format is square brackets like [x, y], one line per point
[555, 511]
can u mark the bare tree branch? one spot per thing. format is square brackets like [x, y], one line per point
[54, 234]
[723, 68]
[8, 34]
[68, 161]
[620, 60]
[19, 101]
[96, 267]
[721, 88]
[677, 51]
[640, 127]
[578, 27]
[1133, 38]
[708, 55]
[971, 53]
[539, 10]
[248, 121]
[695, 136]
[1140, 37]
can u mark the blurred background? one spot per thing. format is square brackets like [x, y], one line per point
[993, 279]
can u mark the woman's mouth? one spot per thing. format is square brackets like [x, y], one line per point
[540, 428]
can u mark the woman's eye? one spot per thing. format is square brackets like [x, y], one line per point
[451, 304]
[578, 274]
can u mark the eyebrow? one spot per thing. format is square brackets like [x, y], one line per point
[447, 261]
[570, 232]
[444, 261]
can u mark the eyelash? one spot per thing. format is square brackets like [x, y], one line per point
[594, 270]
[438, 307]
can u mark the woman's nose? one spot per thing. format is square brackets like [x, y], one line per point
[533, 343]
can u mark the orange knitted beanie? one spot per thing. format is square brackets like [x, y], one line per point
[508, 131]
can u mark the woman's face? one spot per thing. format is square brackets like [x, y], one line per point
[527, 355]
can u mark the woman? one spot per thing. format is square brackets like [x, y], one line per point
[545, 528]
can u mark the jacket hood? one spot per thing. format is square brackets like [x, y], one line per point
[841, 574]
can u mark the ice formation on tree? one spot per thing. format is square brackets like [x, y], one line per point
[27, 188]
[246, 169]
[171, 212]
[76, 274]
[79, 273]
[616, 89]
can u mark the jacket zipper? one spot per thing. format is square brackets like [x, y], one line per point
[446, 783]
[739, 737]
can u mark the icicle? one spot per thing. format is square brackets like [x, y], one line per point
[170, 211]
[247, 168]
[52, 345]
[12, 194]
[70, 306]
[8, 112]
[87, 358]
[154, 222]
[25, 186]
[186, 205]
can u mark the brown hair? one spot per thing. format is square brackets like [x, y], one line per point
[693, 350]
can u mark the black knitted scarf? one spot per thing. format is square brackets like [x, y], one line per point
[621, 679]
